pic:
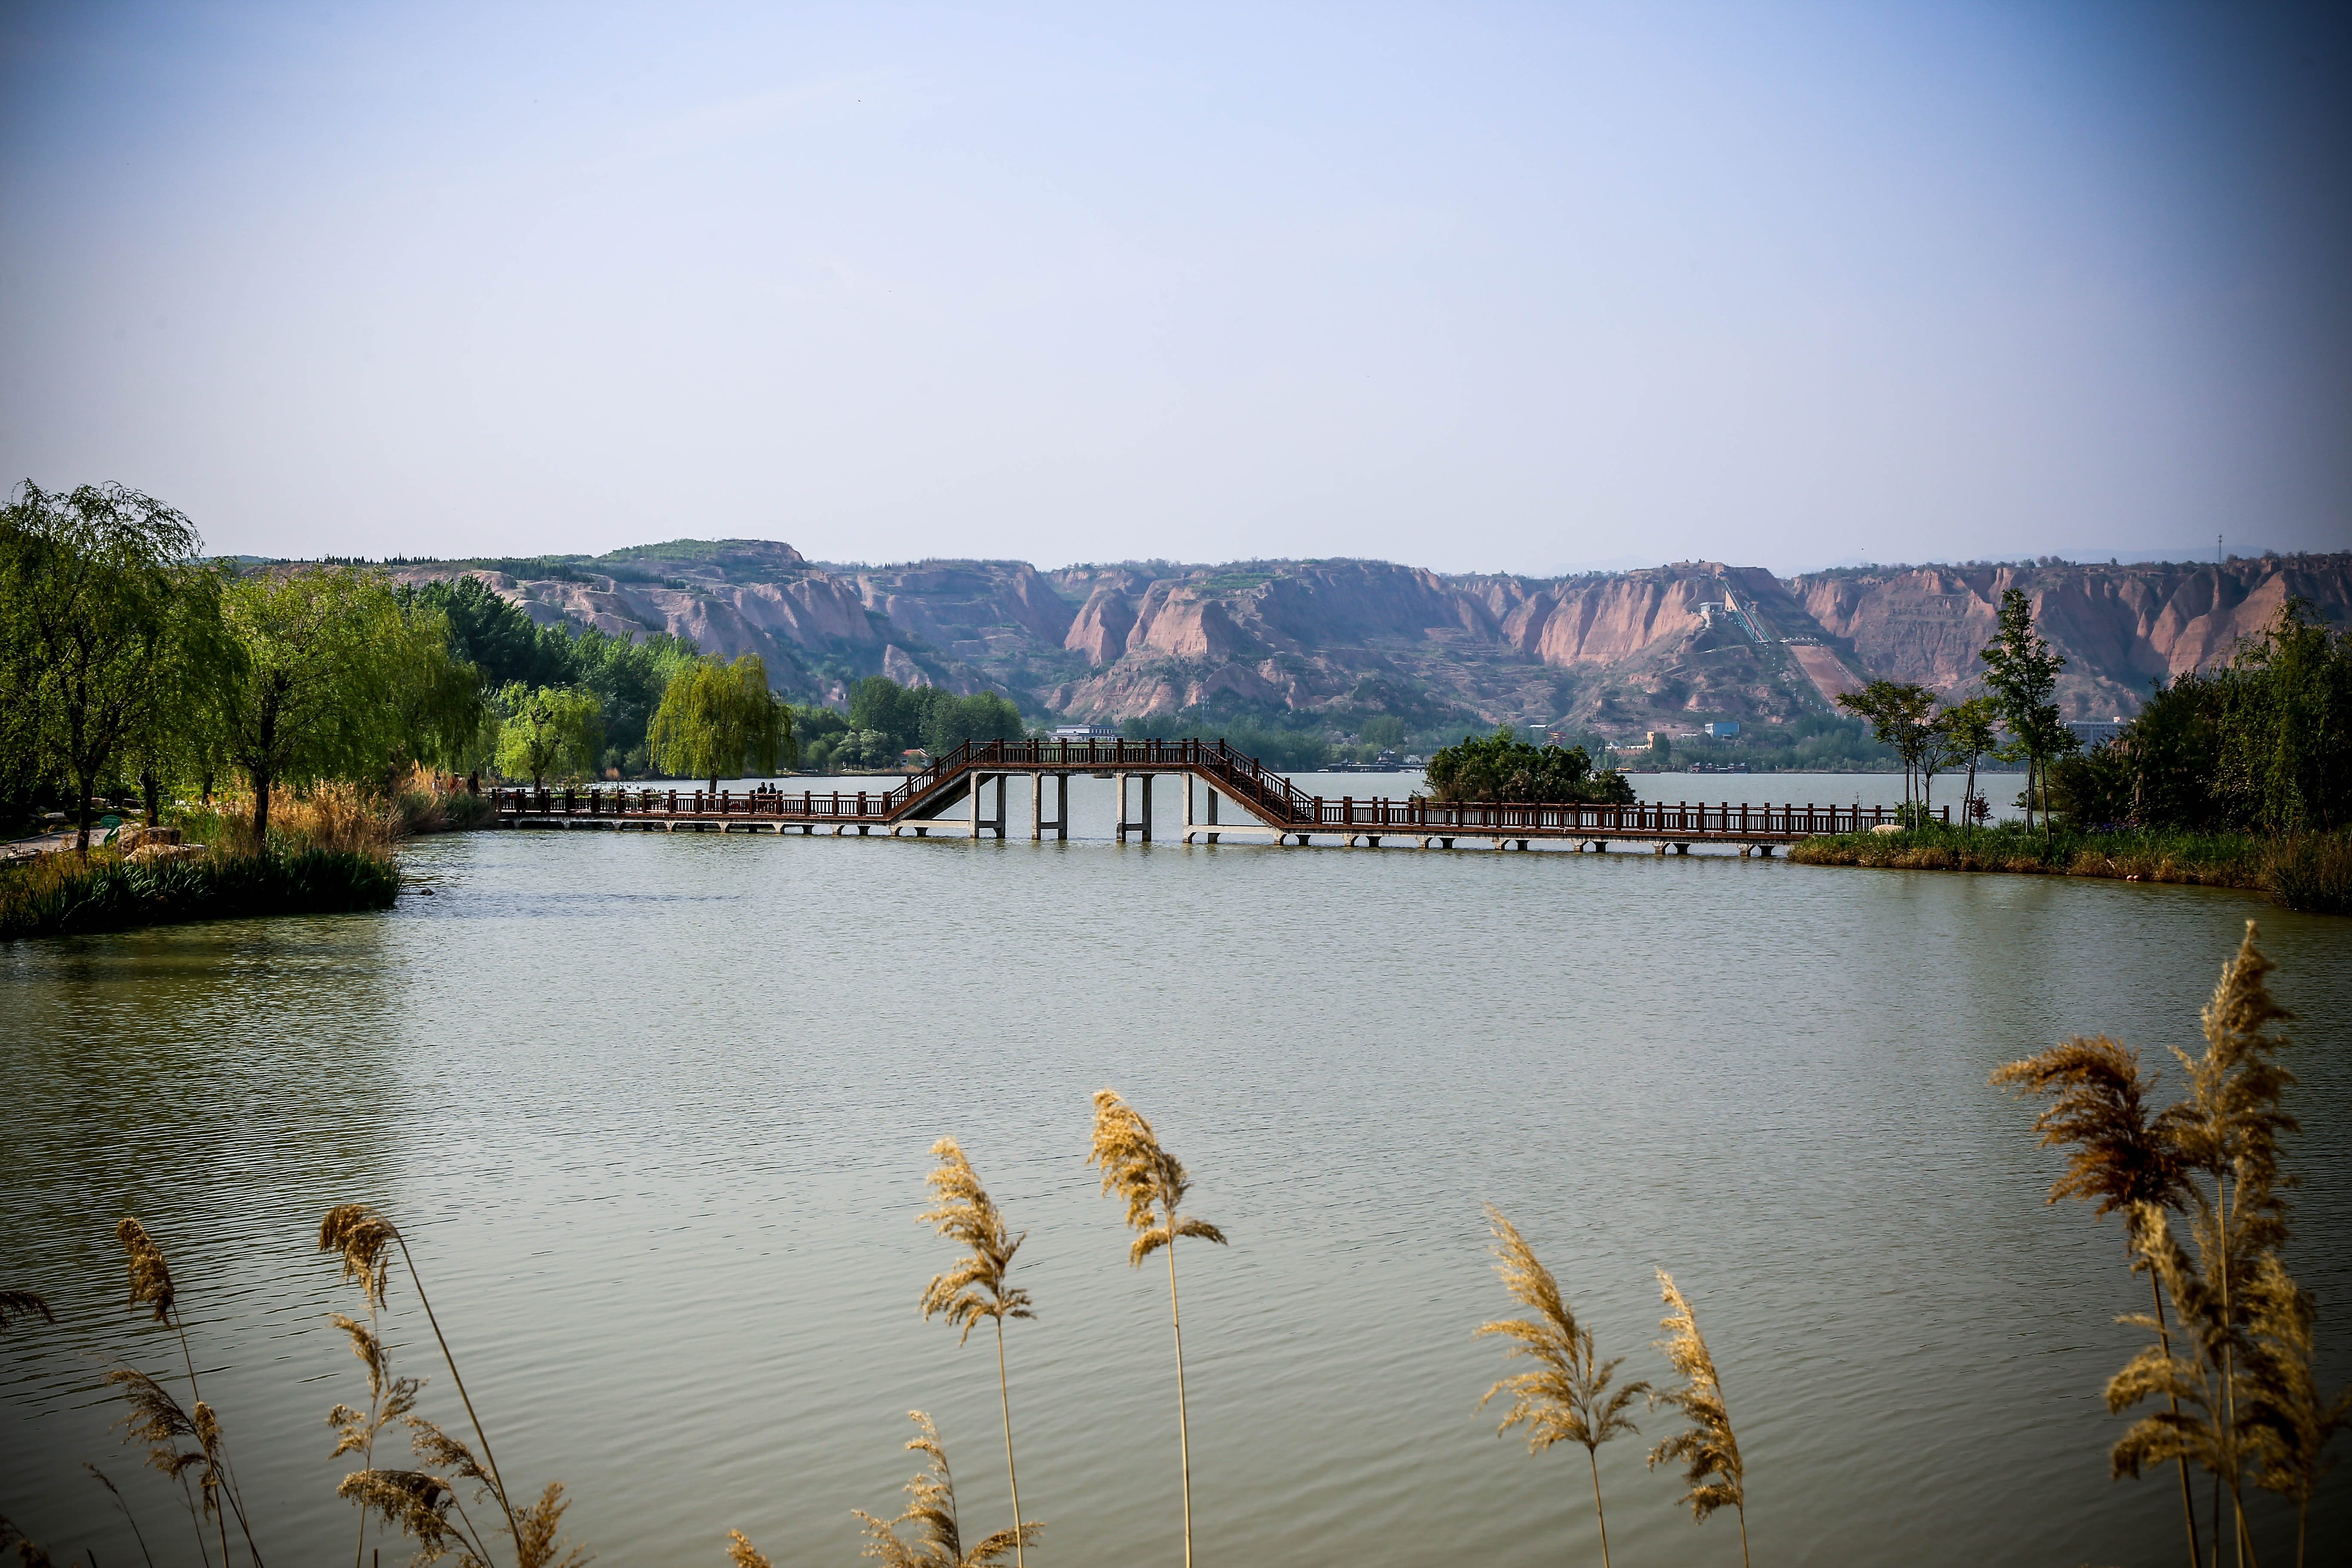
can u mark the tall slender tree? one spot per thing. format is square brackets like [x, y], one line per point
[978, 1288]
[2021, 671]
[1154, 1183]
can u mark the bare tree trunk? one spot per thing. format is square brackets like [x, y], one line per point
[261, 781]
[83, 785]
[150, 787]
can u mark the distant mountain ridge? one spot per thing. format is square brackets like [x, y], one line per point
[1617, 652]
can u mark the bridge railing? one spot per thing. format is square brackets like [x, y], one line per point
[1275, 796]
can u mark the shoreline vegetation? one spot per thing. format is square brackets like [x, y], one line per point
[2310, 873]
[2223, 1381]
[329, 852]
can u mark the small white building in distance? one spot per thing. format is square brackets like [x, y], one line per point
[1086, 733]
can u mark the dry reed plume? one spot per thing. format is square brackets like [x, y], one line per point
[2124, 1155]
[1567, 1397]
[1154, 1183]
[2230, 1386]
[24, 1304]
[157, 1417]
[1707, 1448]
[14, 1544]
[976, 1288]
[931, 1508]
[429, 1504]
[2294, 1421]
[741, 1553]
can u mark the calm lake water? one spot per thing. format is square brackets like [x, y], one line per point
[656, 1113]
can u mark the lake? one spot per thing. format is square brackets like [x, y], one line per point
[655, 1111]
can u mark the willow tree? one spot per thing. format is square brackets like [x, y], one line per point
[548, 730]
[311, 692]
[95, 592]
[718, 719]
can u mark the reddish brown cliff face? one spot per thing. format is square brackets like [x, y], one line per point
[2119, 627]
[1625, 651]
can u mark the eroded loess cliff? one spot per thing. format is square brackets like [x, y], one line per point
[1619, 651]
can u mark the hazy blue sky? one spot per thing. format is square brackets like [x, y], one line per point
[1471, 287]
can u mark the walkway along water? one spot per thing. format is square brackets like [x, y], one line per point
[1268, 803]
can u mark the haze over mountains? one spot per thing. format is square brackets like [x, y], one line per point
[1614, 652]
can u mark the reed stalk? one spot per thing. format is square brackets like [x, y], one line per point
[1154, 1183]
[151, 1286]
[2123, 1154]
[1712, 1469]
[418, 1503]
[977, 1288]
[128, 1517]
[1568, 1396]
[931, 1508]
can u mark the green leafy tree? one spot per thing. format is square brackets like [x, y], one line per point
[171, 737]
[91, 584]
[720, 719]
[1902, 718]
[949, 721]
[549, 729]
[2021, 672]
[1972, 729]
[311, 692]
[435, 706]
[1502, 767]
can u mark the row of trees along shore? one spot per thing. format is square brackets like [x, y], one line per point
[2259, 744]
[135, 663]
[2224, 1385]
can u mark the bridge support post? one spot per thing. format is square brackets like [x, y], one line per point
[1061, 805]
[978, 784]
[1036, 807]
[1149, 779]
[1119, 782]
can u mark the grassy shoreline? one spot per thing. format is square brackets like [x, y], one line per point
[329, 853]
[68, 895]
[2311, 873]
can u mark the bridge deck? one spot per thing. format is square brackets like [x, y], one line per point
[1270, 802]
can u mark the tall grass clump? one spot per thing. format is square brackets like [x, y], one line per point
[1567, 1395]
[977, 1289]
[931, 1508]
[69, 894]
[1154, 1184]
[1706, 1448]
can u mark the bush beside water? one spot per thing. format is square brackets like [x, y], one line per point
[2310, 872]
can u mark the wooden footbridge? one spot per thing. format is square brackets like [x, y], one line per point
[1225, 794]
